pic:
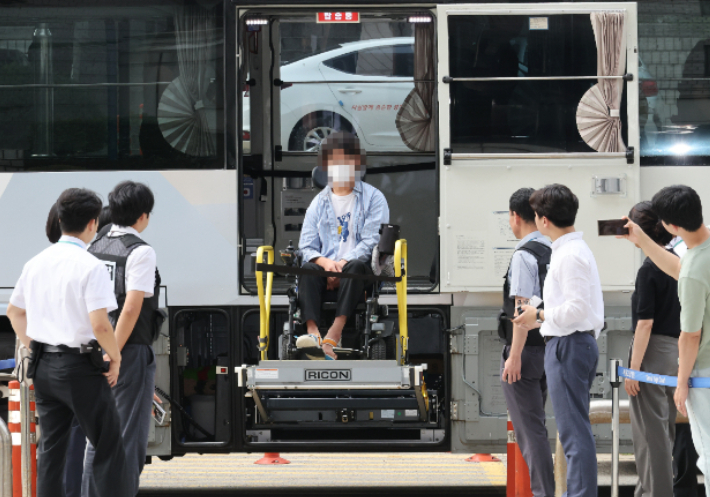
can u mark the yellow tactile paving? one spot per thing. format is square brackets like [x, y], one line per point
[306, 470]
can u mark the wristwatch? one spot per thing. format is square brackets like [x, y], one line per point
[537, 316]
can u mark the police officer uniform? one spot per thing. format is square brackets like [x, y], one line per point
[58, 289]
[526, 397]
[132, 262]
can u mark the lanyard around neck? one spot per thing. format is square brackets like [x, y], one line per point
[71, 243]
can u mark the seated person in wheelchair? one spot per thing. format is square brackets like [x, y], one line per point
[340, 230]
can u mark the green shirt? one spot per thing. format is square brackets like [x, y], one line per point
[694, 294]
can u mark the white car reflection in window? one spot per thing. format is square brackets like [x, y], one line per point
[358, 87]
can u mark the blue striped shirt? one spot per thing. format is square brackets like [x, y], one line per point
[319, 236]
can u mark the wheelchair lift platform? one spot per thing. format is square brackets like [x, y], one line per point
[372, 393]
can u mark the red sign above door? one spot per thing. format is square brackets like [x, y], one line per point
[338, 17]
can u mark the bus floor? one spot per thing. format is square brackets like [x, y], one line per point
[346, 474]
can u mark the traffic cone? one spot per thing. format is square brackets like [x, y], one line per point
[272, 458]
[482, 458]
[518, 474]
[510, 452]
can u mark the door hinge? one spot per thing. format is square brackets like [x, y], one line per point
[454, 411]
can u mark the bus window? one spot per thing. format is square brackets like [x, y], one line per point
[374, 78]
[525, 116]
[112, 88]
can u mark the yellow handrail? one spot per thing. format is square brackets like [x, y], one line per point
[400, 263]
[264, 298]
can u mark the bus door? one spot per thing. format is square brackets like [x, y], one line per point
[306, 73]
[529, 95]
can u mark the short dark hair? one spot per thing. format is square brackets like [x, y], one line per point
[557, 203]
[104, 217]
[76, 207]
[128, 201]
[340, 140]
[52, 228]
[680, 206]
[644, 215]
[520, 204]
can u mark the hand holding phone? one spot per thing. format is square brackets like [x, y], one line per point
[612, 227]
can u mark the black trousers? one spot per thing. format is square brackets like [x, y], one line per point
[312, 289]
[685, 463]
[68, 385]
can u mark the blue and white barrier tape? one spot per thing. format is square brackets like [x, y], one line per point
[662, 380]
[7, 364]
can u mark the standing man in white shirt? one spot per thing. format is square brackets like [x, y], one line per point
[132, 262]
[571, 322]
[61, 303]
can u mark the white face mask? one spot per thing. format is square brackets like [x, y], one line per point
[342, 175]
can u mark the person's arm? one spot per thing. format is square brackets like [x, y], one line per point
[140, 284]
[103, 331]
[310, 243]
[523, 277]
[641, 337]
[16, 311]
[645, 307]
[688, 345]
[666, 261]
[129, 316]
[378, 213]
[18, 319]
[513, 365]
[693, 296]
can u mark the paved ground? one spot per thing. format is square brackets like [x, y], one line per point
[343, 471]
[322, 470]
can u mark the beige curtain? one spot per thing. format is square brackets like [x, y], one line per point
[182, 113]
[414, 119]
[598, 114]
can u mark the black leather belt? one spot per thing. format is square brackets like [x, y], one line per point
[61, 349]
[588, 332]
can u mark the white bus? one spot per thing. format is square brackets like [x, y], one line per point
[220, 106]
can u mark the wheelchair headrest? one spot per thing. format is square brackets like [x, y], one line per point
[320, 177]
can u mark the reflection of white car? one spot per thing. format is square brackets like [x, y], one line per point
[363, 86]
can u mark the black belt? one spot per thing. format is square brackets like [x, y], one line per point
[55, 349]
[588, 332]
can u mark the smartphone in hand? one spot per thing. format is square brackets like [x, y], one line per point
[612, 227]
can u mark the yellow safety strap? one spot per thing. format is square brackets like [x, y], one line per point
[401, 270]
[264, 298]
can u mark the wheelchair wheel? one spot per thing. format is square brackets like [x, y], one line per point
[391, 347]
[378, 350]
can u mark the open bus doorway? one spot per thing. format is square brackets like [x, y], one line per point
[304, 75]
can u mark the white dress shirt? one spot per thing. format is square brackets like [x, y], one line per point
[58, 288]
[140, 265]
[573, 292]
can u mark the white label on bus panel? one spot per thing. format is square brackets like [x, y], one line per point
[387, 414]
[267, 374]
[111, 267]
[538, 23]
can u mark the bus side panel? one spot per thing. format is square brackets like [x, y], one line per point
[193, 227]
[478, 408]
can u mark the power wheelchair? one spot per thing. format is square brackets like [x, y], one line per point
[370, 335]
